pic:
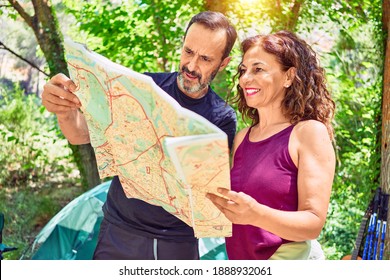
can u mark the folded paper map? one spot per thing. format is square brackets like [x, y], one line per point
[162, 153]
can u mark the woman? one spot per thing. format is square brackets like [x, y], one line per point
[283, 164]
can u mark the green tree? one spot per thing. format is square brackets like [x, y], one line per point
[142, 35]
[43, 21]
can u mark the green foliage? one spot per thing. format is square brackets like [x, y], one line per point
[353, 13]
[28, 138]
[142, 35]
[354, 71]
[6, 10]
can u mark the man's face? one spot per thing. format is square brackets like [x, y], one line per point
[201, 59]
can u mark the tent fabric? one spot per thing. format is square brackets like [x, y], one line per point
[212, 249]
[68, 244]
[72, 233]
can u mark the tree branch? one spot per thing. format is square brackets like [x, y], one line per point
[2, 46]
[27, 18]
[357, 8]
[293, 18]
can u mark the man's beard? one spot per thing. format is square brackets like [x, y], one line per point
[200, 86]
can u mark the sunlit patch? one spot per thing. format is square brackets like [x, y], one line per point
[250, 2]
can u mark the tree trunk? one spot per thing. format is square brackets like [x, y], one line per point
[285, 20]
[385, 163]
[293, 16]
[45, 26]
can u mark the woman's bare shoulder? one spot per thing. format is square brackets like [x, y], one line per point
[310, 128]
[311, 134]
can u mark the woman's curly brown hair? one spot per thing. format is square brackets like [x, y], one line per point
[308, 97]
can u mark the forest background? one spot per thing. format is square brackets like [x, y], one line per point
[40, 172]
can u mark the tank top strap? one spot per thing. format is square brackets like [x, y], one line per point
[284, 131]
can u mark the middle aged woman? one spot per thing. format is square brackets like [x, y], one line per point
[284, 163]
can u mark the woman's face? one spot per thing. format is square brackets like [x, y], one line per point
[262, 79]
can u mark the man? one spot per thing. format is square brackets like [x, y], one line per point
[131, 228]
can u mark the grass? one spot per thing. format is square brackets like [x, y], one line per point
[28, 207]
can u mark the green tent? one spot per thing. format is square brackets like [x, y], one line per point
[72, 233]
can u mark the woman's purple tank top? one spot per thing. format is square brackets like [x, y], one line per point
[265, 171]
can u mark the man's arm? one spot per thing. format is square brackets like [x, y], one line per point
[74, 127]
[58, 98]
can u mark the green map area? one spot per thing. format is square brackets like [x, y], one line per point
[162, 153]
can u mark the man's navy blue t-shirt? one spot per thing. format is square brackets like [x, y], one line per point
[153, 221]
